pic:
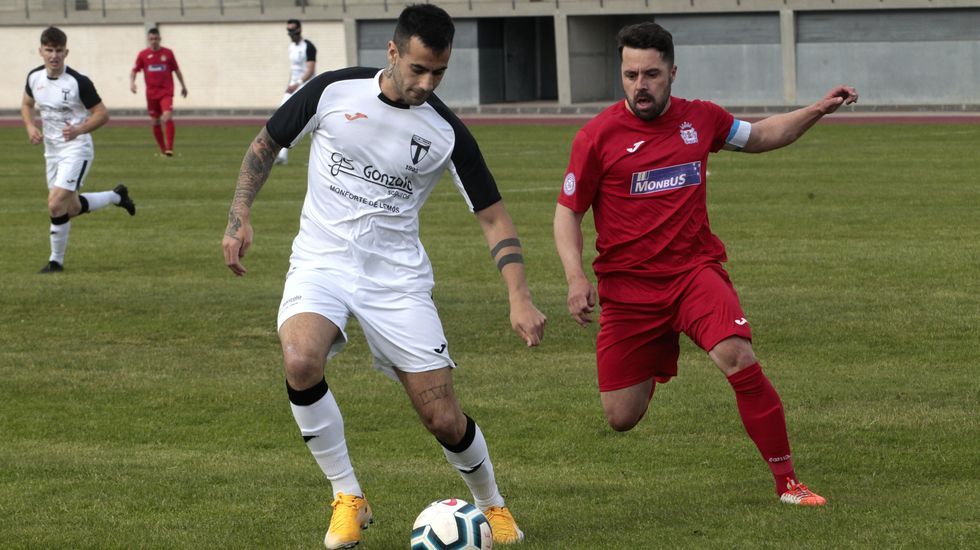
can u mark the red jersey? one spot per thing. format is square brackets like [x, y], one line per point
[158, 67]
[645, 182]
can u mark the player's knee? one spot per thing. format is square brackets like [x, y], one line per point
[57, 207]
[302, 370]
[623, 419]
[733, 354]
[443, 424]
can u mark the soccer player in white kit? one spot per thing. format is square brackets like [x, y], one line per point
[302, 67]
[70, 110]
[380, 142]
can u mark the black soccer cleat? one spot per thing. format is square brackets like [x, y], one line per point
[52, 267]
[124, 200]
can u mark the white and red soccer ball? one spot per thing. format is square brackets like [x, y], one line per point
[451, 524]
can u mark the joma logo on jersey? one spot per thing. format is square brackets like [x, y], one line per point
[666, 179]
[419, 148]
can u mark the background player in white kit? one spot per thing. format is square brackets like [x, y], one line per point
[302, 67]
[70, 110]
[380, 142]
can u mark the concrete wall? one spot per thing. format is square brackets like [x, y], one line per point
[731, 59]
[222, 69]
[738, 53]
[894, 58]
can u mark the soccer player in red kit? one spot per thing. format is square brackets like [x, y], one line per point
[641, 166]
[159, 65]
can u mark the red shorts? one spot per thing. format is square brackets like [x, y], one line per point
[639, 341]
[157, 105]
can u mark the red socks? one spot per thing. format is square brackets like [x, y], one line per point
[762, 414]
[158, 134]
[171, 130]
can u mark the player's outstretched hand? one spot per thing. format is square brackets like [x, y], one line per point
[841, 95]
[236, 242]
[581, 301]
[528, 322]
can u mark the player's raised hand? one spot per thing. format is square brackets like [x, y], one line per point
[236, 242]
[528, 322]
[581, 301]
[841, 95]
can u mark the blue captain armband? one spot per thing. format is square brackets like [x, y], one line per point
[738, 136]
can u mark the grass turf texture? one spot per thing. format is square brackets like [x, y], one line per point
[142, 400]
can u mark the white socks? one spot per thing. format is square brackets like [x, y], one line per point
[97, 201]
[472, 458]
[319, 420]
[59, 239]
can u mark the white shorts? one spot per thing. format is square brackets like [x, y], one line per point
[67, 172]
[402, 329]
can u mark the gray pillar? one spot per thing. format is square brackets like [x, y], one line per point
[562, 59]
[350, 41]
[787, 45]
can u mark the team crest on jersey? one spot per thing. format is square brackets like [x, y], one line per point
[419, 148]
[569, 186]
[666, 179]
[163, 57]
[688, 133]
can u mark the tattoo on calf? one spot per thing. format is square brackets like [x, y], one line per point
[434, 394]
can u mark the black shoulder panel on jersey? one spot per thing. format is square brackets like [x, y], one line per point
[27, 85]
[292, 116]
[310, 51]
[477, 180]
[86, 90]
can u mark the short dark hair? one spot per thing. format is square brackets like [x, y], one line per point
[53, 36]
[294, 22]
[429, 22]
[154, 30]
[645, 36]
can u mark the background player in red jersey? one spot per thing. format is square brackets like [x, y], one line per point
[641, 166]
[158, 65]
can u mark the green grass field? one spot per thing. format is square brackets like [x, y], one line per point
[142, 401]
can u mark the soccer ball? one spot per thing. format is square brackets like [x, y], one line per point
[451, 524]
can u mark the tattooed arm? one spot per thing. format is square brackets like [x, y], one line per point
[255, 170]
[501, 235]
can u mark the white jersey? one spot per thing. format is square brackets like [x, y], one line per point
[372, 165]
[63, 100]
[299, 55]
